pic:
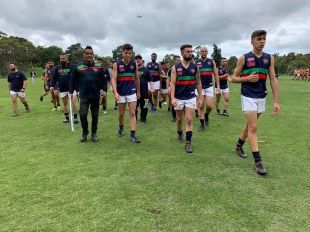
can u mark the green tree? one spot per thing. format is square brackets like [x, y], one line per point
[75, 52]
[216, 55]
[232, 63]
[169, 58]
[117, 53]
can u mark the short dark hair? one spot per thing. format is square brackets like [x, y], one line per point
[88, 47]
[127, 46]
[258, 33]
[138, 57]
[13, 63]
[185, 46]
[154, 54]
[223, 58]
[176, 56]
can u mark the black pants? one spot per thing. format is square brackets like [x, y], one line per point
[94, 107]
[143, 112]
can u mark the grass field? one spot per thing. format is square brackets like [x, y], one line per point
[51, 182]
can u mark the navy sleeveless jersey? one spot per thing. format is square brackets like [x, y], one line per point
[145, 78]
[185, 81]
[223, 81]
[206, 72]
[261, 67]
[154, 70]
[126, 84]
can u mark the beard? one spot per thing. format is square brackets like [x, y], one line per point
[187, 58]
[13, 69]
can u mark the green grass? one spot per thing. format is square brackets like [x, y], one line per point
[51, 182]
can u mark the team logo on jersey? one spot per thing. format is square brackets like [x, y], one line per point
[193, 71]
[149, 66]
[131, 67]
[221, 71]
[209, 63]
[265, 61]
[179, 71]
[156, 66]
[251, 63]
[250, 59]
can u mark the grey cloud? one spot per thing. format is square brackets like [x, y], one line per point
[164, 26]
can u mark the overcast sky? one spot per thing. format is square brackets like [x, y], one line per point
[164, 26]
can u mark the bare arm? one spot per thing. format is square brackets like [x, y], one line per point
[114, 78]
[137, 79]
[216, 76]
[172, 83]
[24, 84]
[274, 86]
[198, 83]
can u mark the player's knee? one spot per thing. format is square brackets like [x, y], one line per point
[252, 129]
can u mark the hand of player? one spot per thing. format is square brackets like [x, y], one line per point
[51, 89]
[152, 90]
[138, 95]
[253, 77]
[173, 102]
[218, 91]
[117, 96]
[276, 108]
[22, 90]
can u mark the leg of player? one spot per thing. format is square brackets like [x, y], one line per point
[179, 114]
[25, 103]
[74, 109]
[226, 101]
[132, 117]
[241, 141]
[53, 101]
[209, 105]
[94, 108]
[189, 112]
[217, 104]
[252, 118]
[65, 100]
[14, 105]
[143, 109]
[121, 115]
[56, 94]
[84, 106]
[201, 116]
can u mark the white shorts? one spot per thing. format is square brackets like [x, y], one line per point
[75, 93]
[20, 94]
[63, 94]
[164, 91]
[224, 90]
[128, 98]
[206, 92]
[190, 103]
[253, 104]
[156, 85]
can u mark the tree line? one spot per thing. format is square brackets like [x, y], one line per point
[26, 55]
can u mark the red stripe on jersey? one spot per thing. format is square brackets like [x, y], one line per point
[125, 78]
[185, 82]
[206, 73]
[260, 76]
